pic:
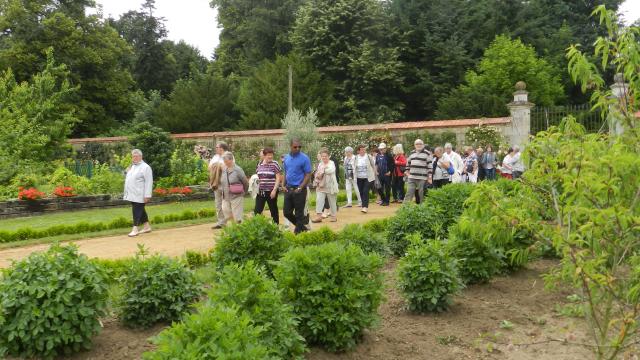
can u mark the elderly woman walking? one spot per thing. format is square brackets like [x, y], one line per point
[326, 187]
[233, 186]
[350, 178]
[138, 186]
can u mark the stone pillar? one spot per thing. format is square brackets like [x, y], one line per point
[619, 91]
[520, 110]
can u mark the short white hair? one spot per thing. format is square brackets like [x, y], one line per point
[348, 149]
[398, 149]
[418, 142]
[136, 152]
[228, 156]
[448, 146]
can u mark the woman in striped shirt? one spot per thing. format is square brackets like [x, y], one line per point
[269, 180]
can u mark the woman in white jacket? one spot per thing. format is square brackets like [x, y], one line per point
[138, 186]
[350, 178]
[326, 187]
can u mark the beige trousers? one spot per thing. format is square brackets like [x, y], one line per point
[233, 209]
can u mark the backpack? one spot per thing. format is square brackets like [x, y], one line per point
[451, 170]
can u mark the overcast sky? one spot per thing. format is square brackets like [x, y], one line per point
[194, 21]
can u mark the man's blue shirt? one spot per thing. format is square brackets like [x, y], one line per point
[296, 167]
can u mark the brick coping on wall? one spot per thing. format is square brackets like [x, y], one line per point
[412, 125]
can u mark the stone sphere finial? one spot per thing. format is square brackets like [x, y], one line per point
[521, 86]
[618, 78]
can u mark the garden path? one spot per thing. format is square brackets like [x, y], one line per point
[176, 241]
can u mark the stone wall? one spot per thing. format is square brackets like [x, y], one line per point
[21, 208]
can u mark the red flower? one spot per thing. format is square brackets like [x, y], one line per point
[64, 191]
[30, 194]
[160, 191]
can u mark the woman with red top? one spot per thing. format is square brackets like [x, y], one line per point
[398, 173]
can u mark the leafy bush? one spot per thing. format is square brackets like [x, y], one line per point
[65, 177]
[335, 290]
[429, 221]
[450, 199]
[254, 293]
[483, 135]
[428, 276]
[215, 332]
[51, 303]
[478, 259]
[321, 236]
[196, 259]
[105, 181]
[157, 289]
[156, 145]
[378, 226]
[256, 239]
[114, 268]
[366, 240]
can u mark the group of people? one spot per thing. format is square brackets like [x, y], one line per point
[387, 173]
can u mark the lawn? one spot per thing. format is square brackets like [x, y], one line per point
[99, 215]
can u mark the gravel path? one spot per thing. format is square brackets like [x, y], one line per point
[175, 242]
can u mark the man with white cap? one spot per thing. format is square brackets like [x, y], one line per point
[385, 166]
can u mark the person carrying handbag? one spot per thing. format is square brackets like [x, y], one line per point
[233, 185]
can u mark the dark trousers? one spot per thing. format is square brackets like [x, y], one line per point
[490, 174]
[440, 183]
[139, 214]
[385, 189]
[264, 197]
[481, 173]
[363, 188]
[294, 203]
[398, 188]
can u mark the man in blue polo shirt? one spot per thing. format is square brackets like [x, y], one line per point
[297, 171]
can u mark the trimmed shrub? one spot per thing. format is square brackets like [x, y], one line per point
[478, 260]
[377, 226]
[50, 304]
[335, 290]
[196, 259]
[428, 221]
[114, 269]
[366, 240]
[215, 332]
[157, 289]
[249, 288]
[428, 276]
[317, 237]
[256, 238]
[450, 199]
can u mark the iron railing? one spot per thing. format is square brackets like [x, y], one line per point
[542, 118]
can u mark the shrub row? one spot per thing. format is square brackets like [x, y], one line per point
[86, 227]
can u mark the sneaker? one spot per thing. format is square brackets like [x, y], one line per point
[384, 204]
[333, 219]
[347, 206]
[317, 219]
[364, 210]
[216, 227]
[325, 215]
[379, 202]
[145, 230]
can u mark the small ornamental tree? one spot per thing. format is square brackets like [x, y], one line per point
[156, 145]
[302, 127]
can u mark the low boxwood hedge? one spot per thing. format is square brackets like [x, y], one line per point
[86, 227]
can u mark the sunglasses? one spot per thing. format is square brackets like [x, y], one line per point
[297, 147]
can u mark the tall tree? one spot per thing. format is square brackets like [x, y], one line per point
[262, 99]
[204, 102]
[188, 58]
[253, 31]
[487, 90]
[36, 118]
[154, 66]
[351, 42]
[93, 52]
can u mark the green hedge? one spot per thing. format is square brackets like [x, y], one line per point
[86, 227]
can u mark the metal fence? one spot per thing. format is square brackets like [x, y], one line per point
[543, 118]
[81, 167]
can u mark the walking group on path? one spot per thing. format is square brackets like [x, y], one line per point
[386, 173]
